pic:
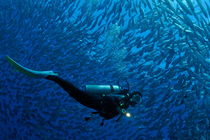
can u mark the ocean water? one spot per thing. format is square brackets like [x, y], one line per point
[162, 47]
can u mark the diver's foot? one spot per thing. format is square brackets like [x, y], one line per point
[87, 118]
[118, 119]
[102, 123]
[95, 112]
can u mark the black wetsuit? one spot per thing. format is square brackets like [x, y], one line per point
[108, 106]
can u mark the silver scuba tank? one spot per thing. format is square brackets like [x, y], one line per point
[102, 89]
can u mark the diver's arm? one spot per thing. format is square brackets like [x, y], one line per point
[117, 99]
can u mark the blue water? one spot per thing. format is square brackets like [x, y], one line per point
[163, 53]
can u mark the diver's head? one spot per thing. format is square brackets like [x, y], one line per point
[135, 98]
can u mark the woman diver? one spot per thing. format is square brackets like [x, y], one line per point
[108, 100]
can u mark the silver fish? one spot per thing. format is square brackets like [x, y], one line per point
[202, 8]
[184, 7]
[190, 4]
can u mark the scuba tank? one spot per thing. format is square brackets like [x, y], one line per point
[106, 89]
[103, 89]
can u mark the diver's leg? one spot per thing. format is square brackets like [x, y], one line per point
[29, 72]
[119, 118]
[88, 118]
[102, 122]
[73, 91]
[67, 86]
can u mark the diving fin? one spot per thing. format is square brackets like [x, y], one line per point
[29, 72]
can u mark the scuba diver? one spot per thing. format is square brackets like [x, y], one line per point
[109, 101]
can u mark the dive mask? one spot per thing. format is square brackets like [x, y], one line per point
[136, 98]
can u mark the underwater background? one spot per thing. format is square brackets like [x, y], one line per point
[162, 47]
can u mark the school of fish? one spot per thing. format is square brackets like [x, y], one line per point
[162, 47]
